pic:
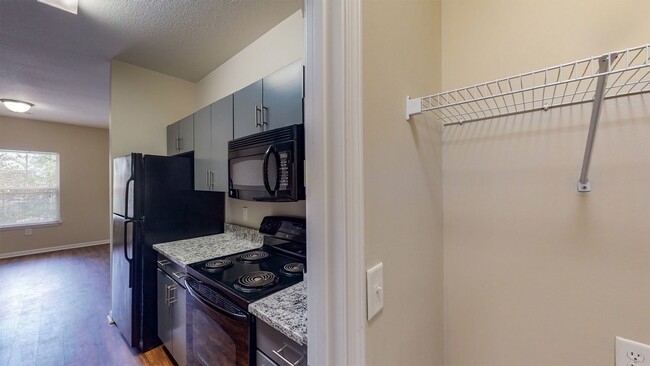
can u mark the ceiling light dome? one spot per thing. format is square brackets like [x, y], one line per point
[17, 106]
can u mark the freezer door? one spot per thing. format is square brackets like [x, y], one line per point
[123, 281]
[123, 185]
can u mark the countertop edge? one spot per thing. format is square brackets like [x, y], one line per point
[295, 293]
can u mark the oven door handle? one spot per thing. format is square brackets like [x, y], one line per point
[207, 303]
[265, 170]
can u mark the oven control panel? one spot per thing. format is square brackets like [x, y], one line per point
[283, 227]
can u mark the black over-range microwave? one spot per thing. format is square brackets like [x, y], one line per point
[268, 166]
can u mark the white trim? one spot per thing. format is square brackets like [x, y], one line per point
[334, 140]
[52, 249]
[30, 226]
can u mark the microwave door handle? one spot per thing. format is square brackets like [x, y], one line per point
[265, 170]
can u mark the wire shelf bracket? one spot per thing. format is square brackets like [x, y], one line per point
[582, 81]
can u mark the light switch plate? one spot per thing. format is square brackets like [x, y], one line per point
[375, 289]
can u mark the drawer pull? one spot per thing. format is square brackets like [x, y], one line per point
[163, 262]
[180, 275]
[279, 354]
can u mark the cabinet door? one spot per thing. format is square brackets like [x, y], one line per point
[172, 139]
[283, 97]
[246, 102]
[222, 132]
[179, 332]
[164, 311]
[202, 149]
[186, 134]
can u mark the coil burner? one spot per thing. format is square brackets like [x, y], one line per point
[293, 269]
[255, 281]
[253, 257]
[217, 264]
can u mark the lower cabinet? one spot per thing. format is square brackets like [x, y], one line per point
[171, 316]
[276, 349]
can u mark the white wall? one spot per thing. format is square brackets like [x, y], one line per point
[536, 272]
[403, 182]
[277, 48]
[83, 170]
[143, 103]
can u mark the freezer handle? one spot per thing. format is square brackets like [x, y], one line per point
[126, 199]
[126, 252]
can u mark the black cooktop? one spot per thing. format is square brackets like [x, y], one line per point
[249, 276]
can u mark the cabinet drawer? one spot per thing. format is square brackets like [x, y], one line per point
[262, 360]
[172, 269]
[278, 347]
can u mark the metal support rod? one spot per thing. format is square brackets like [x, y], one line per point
[604, 66]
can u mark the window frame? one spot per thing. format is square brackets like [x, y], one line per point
[55, 222]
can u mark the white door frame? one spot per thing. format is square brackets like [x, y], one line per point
[334, 155]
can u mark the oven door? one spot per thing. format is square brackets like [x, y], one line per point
[218, 331]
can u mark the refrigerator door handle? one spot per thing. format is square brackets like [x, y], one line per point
[126, 199]
[126, 252]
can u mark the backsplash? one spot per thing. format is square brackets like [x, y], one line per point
[258, 210]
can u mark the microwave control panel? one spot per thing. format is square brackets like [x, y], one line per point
[285, 179]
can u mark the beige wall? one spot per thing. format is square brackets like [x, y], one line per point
[536, 272]
[83, 164]
[402, 173]
[277, 48]
[143, 103]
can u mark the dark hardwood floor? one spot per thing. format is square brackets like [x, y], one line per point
[53, 309]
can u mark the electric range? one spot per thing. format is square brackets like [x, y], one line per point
[220, 329]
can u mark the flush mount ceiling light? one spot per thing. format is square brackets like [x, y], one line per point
[17, 106]
[70, 6]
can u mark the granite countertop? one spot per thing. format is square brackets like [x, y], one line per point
[235, 239]
[285, 311]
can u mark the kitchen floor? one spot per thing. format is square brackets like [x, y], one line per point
[53, 309]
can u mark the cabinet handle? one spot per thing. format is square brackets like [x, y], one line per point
[212, 179]
[180, 144]
[163, 262]
[258, 116]
[180, 274]
[166, 294]
[265, 113]
[279, 354]
[172, 294]
[207, 179]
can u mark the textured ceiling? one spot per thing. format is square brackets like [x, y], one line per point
[61, 62]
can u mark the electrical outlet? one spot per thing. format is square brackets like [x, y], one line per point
[631, 353]
[244, 213]
[28, 231]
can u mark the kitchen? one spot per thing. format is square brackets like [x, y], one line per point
[487, 276]
[223, 110]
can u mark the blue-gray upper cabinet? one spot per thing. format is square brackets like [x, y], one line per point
[283, 97]
[273, 102]
[180, 136]
[202, 149]
[248, 110]
[213, 128]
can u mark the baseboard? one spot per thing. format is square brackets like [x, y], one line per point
[52, 249]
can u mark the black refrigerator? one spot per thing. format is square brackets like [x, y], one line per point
[153, 202]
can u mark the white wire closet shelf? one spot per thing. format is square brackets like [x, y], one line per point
[625, 72]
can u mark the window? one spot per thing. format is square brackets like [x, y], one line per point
[29, 188]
